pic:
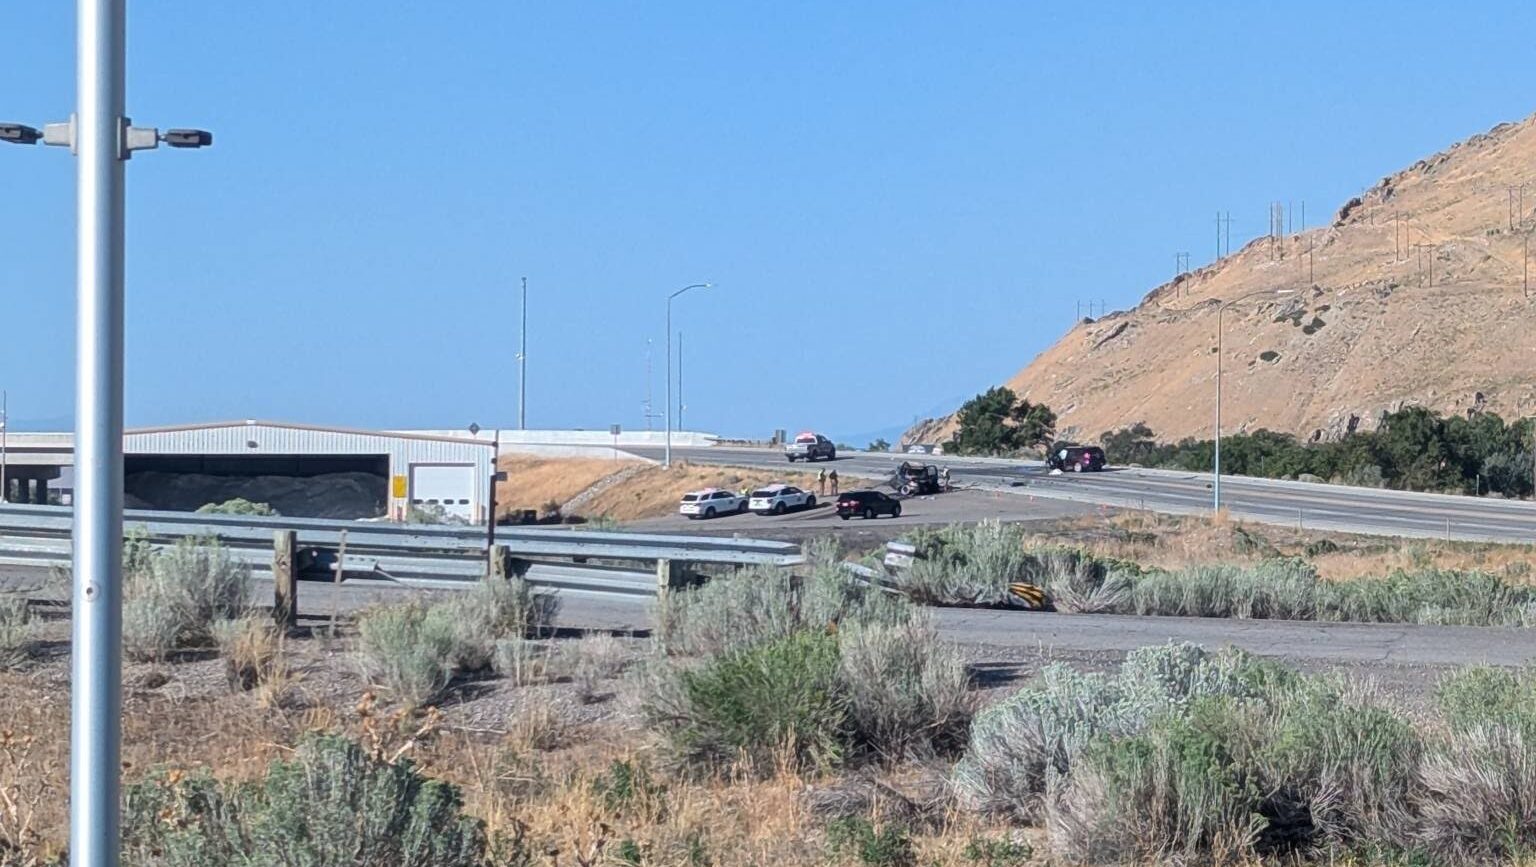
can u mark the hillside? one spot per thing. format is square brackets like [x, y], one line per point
[1412, 294]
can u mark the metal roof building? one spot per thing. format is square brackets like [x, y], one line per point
[422, 470]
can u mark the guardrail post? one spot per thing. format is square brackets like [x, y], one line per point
[285, 573]
[499, 565]
[667, 572]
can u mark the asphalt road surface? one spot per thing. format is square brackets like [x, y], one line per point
[1307, 505]
[1006, 634]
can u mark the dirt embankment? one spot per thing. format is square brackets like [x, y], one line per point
[1412, 293]
[623, 490]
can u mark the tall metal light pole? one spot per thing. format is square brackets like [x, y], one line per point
[668, 461]
[1216, 463]
[680, 404]
[522, 366]
[5, 430]
[103, 138]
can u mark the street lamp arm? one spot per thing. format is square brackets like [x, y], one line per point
[686, 288]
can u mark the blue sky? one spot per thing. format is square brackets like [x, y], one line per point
[899, 203]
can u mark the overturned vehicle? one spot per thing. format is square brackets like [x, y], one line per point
[912, 479]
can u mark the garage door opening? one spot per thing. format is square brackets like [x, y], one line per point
[297, 486]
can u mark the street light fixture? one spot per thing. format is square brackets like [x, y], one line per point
[103, 138]
[667, 462]
[1216, 463]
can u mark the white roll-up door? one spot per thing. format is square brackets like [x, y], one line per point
[451, 486]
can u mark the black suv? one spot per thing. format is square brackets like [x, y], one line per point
[870, 504]
[1073, 458]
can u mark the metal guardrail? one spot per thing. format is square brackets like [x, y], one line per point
[424, 555]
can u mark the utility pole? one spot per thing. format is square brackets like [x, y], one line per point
[1218, 234]
[649, 411]
[1227, 223]
[1525, 263]
[522, 366]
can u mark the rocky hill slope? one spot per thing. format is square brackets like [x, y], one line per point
[1411, 294]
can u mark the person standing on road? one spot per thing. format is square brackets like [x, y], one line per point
[821, 481]
[944, 479]
[832, 477]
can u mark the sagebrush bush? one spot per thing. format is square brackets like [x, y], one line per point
[413, 648]
[173, 596]
[973, 564]
[331, 805]
[908, 693]
[17, 631]
[1272, 590]
[1021, 743]
[765, 604]
[492, 611]
[778, 703]
[237, 506]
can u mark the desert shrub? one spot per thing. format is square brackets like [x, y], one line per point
[1431, 596]
[330, 805]
[175, 595]
[1077, 582]
[520, 661]
[252, 648]
[628, 788]
[974, 564]
[17, 631]
[1298, 769]
[1478, 803]
[491, 611]
[908, 693]
[997, 853]
[857, 838]
[765, 604]
[1275, 590]
[587, 662]
[1019, 744]
[778, 702]
[413, 648]
[1483, 695]
[237, 506]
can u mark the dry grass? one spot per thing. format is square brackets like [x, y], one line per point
[655, 491]
[532, 482]
[652, 492]
[1178, 542]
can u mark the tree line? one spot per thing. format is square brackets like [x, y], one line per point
[1413, 449]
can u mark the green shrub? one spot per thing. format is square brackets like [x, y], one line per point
[908, 693]
[17, 631]
[237, 506]
[627, 787]
[856, 837]
[413, 648]
[1480, 695]
[172, 597]
[997, 853]
[777, 702]
[491, 611]
[331, 805]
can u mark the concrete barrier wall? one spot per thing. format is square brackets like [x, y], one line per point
[521, 440]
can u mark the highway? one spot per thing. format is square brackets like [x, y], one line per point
[1296, 504]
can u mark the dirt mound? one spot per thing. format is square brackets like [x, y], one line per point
[333, 495]
[1412, 295]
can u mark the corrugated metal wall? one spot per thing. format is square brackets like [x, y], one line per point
[257, 438]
